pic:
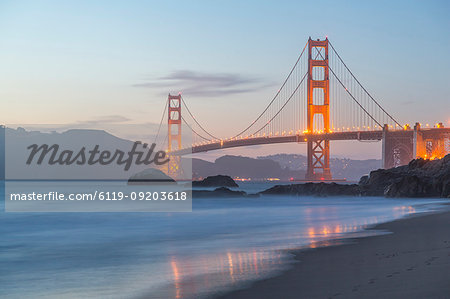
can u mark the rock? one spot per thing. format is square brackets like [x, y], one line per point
[220, 192]
[150, 175]
[420, 178]
[319, 189]
[216, 181]
[363, 180]
[408, 186]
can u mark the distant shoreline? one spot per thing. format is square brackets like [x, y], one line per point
[412, 262]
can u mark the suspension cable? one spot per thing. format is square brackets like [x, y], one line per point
[363, 86]
[195, 132]
[287, 101]
[160, 123]
[354, 99]
[276, 95]
[201, 127]
[284, 105]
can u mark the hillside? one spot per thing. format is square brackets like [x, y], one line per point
[243, 167]
[349, 169]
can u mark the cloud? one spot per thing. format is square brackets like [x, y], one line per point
[108, 119]
[205, 84]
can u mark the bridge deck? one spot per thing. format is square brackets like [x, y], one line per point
[301, 138]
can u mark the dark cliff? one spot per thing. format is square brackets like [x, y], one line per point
[420, 178]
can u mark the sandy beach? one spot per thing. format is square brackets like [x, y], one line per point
[412, 262]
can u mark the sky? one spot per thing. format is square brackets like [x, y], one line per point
[86, 62]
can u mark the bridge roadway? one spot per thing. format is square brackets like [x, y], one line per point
[300, 138]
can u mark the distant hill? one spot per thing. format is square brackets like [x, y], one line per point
[340, 168]
[18, 140]
[243, 167]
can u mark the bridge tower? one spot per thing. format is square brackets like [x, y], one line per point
[174, 133]
[318, 102]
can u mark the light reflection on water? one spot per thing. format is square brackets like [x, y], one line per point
[222, 244]
[219, 271]
[233, 269]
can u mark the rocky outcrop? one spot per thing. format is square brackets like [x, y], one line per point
[216, 181]
[420, 178]
[220, 192]
[150, 176]
[318, 189]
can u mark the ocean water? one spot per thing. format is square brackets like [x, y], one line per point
[221, 245]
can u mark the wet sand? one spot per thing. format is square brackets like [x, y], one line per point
[412, 262]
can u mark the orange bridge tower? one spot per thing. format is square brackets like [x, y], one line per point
[318, 111]
[174, 133]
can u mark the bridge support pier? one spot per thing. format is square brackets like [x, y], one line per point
[429, 145]
[397, 147]
[400, 147]
[318, 159]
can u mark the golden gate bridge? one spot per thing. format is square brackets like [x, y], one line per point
[320, 100]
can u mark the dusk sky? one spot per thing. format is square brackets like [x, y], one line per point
[116, 61]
